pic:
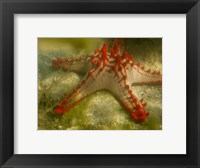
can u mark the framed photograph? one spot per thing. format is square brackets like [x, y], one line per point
[99, 83]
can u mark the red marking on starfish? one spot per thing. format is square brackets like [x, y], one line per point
[139, 116]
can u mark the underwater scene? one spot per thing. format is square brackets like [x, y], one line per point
[99, 83]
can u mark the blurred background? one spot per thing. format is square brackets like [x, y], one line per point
[100, 111]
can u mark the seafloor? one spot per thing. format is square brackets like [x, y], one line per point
[100, 111]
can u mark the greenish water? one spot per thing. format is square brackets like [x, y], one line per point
[100, 111]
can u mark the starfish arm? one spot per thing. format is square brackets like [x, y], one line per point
[87, 86]
[121, 89]
[78, 65]
[138, 76]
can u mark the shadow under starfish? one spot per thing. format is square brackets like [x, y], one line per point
[108, 70]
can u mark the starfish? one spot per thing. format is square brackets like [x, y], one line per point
[110, 70]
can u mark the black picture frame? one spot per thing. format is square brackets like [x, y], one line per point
[10, 7]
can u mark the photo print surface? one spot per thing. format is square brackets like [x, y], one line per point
[99, 83]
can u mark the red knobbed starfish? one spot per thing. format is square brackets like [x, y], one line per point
[108, 70]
